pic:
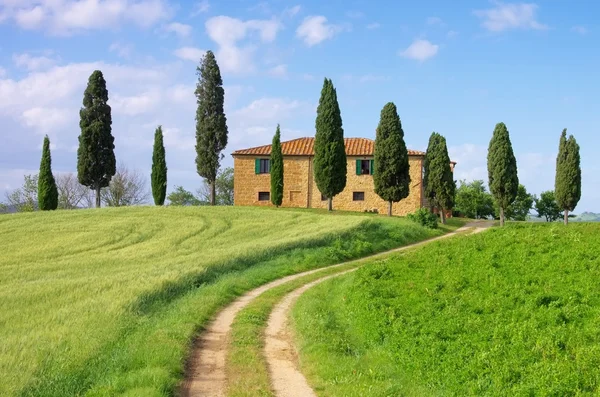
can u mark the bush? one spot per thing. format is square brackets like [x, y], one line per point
[423, 217]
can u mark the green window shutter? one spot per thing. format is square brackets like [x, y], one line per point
[257, 166]
[358, 167]
[371, 166]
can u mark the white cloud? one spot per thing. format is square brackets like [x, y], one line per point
[3, 72]
[31, 62]
[201, 7]
[510, 16]
[179, 29]
[373, 25]
[227, 32]
[123, 50]
[66, 17]
[190, 53]
[582, 30]
[175, 138]
[46, 119]
[135, 104]
[278, 71]
[471, 162]
[420, 50]
[315, 29]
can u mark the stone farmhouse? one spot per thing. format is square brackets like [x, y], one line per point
[252, 181]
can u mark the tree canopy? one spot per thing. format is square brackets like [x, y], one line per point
[158, 176]
[47, 190]
[276, 169]
[439, 185]
[567, 185]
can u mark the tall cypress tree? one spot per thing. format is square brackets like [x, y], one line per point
[96, 163]
[502, 169]
[211, 123]
[158, 176]
[276, 169]
[391, 168]
[330, 165]
[567, 184]
[439, 183]
[47, 190]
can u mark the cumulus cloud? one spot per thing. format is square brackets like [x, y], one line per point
[121, 49]
[227, 32]
[190, 54]
[200, 8]
[69, 16]
[30, 62]
[420, 50]
[292, 11]
[510, 16]
[315, 29]
[180, 29]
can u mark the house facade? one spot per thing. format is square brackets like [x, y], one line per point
[252, 179]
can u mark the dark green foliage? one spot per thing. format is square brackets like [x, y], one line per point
[473, 200]
[96, 163]
[276, 169]
[567, 185]
[391, 174]
[547, 207]
[502, 169]
[47, 190]
[180, 196]
[330, 153]
[424, 217]
[439, 185]
[211, 123]
[159, 168]
[513, 311]
[520, 207]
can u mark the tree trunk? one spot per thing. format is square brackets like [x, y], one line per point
[213, 194]
[566, 217]
[98, 196]
[390, 208]
[501, 216]
[443, 216]
[329, 204]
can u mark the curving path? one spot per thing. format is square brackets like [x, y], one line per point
[280, 354]
[205, 372]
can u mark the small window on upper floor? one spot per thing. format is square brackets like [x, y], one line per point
[262, 166]
[364, 167]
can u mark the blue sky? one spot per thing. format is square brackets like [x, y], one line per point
[454, 69]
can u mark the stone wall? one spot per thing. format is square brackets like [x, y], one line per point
[364, 183]
[300, 188]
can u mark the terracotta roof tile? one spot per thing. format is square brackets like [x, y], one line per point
[305, 147]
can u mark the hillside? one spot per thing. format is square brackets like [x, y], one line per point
[512, 311]
[107, 301]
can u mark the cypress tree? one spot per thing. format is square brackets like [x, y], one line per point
[567, 184]
[391, 168]
[330, 165]
[211, 123]
[502, 169]
[276, 169]
[96, 163]
[439, 184]
[47, 190]
[159, 169]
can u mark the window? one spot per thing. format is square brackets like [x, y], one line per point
[358, 196]
[364, 167]
[264, 196]
[323, 197]
[262, 166]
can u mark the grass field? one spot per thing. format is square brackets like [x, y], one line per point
[106, 302]
[509, 312]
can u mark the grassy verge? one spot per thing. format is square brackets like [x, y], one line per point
[247, 373]
[106, 302]
[513, 311]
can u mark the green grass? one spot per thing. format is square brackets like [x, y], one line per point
[107, 302]
[247, 373]
[509, 312]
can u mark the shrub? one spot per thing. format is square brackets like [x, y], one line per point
[423, 217]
